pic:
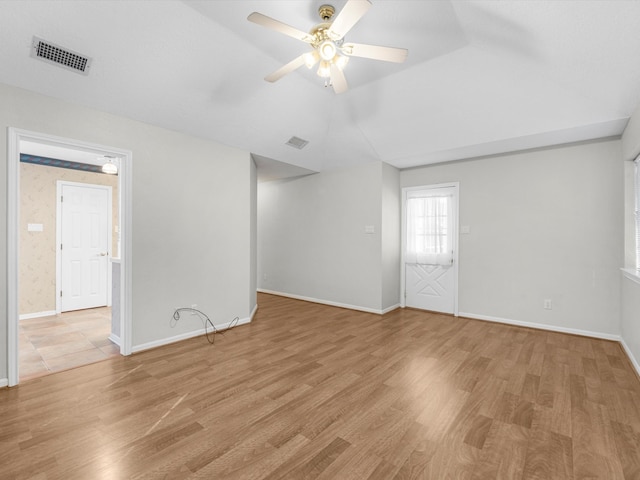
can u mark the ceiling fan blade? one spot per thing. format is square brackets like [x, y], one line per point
[353, 11]
[338, 79]
[288, 68]
[278, 26]
[387, 54]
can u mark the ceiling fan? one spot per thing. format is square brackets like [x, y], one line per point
[328, 44]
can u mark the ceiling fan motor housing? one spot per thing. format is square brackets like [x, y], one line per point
[326, 12]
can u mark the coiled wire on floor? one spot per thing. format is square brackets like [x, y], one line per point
[210, 334]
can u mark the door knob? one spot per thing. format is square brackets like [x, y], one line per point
[104, 254]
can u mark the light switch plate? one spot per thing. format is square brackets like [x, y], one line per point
[34, 227]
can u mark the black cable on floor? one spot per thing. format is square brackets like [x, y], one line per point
[206, 320]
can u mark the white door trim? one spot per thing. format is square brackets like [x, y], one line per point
[403, 239]
[59, 185]
[125, 189]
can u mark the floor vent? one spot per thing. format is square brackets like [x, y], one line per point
[51, 53]
[298, 143]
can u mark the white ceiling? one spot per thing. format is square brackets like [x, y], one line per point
[482, 77]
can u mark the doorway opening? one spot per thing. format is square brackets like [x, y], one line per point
[67, 315]
[429, 272]
[56, 281]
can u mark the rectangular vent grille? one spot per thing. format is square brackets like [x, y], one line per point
[58, 55]
[298, 143]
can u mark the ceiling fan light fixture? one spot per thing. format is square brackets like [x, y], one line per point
[311, 58]
[341, 61]
[324, 70]
[327, 50]
[109, 167]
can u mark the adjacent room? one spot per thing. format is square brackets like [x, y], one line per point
[65, 317]
[368, 239]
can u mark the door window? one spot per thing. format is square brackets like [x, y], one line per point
[429, 229]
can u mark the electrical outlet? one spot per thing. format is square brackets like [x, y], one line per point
[547, 304]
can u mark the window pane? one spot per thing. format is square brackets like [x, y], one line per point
[427, 225]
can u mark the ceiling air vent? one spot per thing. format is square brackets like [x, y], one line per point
[298, 143]
[60, 56]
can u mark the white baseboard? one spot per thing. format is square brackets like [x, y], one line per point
[329, 302]
[27, 316]
[187, 335]
[4, 382]
[542, 326]
[390, 309]
[632, 358]
[115, 339]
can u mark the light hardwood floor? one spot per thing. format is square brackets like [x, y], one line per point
[310, 391]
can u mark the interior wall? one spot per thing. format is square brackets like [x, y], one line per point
[630, 284]
[630, 314]
[629, 215]
[191, 201]
[37, 263]
[3, 256]
[191, 233]
[253, 236]
[312, 240]
[631, 137]
[390, 234]
[544, 224]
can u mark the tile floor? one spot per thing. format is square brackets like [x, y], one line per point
[60, 342]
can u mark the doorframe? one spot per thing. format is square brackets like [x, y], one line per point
[59, 185]
[125, 192]
[403, 239]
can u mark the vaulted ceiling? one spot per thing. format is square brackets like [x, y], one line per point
[482, 77]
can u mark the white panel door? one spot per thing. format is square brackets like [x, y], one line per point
[84, 251]
[430, 287]
[429, 248]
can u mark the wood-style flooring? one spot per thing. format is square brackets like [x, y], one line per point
[60, 342]
[310, 391]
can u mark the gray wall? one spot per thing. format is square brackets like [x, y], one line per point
[253, 235]
[3, 249]
[631, 318]
[631, 137]
[312, 241]
[543, 224]
[390, 236]
[191, 232]
[191, 202]
[629, 215]
[630, 287]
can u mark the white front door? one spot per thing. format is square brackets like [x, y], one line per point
[84, 253]
[430, 242]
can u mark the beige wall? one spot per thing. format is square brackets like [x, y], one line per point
[37, 263]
